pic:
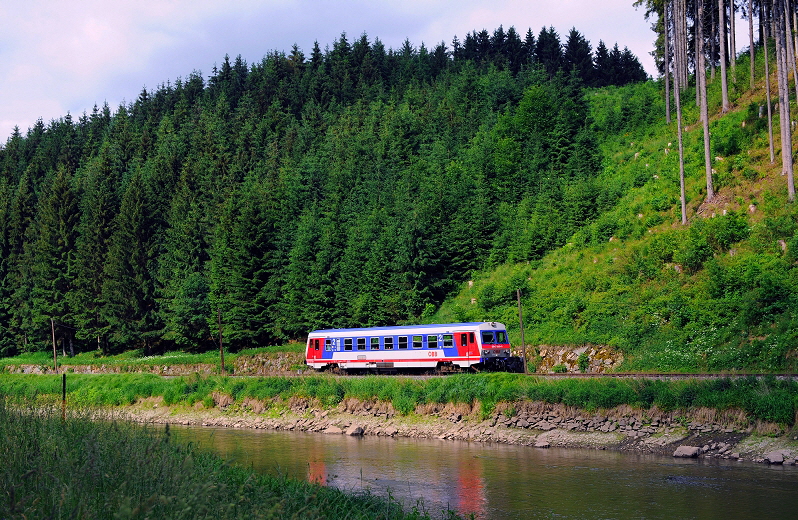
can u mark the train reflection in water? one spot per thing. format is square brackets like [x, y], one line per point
[498, 481]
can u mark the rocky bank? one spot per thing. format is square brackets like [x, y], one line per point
[702, 433]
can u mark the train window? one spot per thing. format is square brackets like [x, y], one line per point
[328, 345]
[418, 341]
[388, 342]
[316, 344]
[375, 343]
[501, 337]
[471, 337]
[432, 341]
[361, 343]
[464, 339]
[448, 340]
[402, 342]
[347, 343]
[487, 336]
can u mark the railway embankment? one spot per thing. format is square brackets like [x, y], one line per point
[702, 433]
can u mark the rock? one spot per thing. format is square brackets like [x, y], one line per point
[545, 426]
[687, 452]
[735, 455]
[333, 429]
[774, 457]
[542, 443]
[355, 431]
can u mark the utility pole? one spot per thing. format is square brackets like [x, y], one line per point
[221, 350]
[521, 322]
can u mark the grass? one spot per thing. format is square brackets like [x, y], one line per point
[136, 358]
[91, 466]
[717, 295]
[765, 399]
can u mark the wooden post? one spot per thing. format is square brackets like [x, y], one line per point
[521, 322]
[63, 396]
[221, 350]
[55, 354]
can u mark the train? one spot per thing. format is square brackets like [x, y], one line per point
[448, 347]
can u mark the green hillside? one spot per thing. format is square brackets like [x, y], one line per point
[717, 294]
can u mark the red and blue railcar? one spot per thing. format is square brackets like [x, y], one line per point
[450, 346]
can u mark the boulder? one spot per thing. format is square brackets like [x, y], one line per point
[333, 429]
[774, 457]
[545, 426]
[355, 431]
[687, 452]
[542, 443]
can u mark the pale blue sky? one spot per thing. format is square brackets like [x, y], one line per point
[68, 55]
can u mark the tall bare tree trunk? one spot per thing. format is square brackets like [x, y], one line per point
[764, 22]
[677, 89]
[751, 39]
[713, 28]
[665, 30]
[782, 56]
[790, 47]
[733, 42]
[702, 81]
[699, 37]
[679, 20]
[724, 85]
[794, 25]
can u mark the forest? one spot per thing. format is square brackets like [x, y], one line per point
[363, 186]
[357, 186]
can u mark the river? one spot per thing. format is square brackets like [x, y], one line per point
[496, 481]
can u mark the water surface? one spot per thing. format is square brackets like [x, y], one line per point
[496, 481]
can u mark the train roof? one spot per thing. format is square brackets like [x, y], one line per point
[367, 330]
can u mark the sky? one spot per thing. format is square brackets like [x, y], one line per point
[65, 56]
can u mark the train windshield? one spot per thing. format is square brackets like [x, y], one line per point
[490, 337]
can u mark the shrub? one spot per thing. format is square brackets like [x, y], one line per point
[584, 362]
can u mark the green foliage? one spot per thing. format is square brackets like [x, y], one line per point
[357, 188]
[583, 361]
[765, 398]
[93, 464]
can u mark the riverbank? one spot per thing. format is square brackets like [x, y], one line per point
[89, 464]
[727, 435]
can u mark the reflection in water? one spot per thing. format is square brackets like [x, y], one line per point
[496, 481]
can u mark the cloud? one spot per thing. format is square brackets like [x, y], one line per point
[67, 56]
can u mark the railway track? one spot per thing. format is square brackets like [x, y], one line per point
[665, 376]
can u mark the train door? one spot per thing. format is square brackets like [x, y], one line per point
[467, 345]
[315, 348]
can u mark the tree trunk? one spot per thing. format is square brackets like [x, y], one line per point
[702, 81]
[732, 42]
[677, 89]
[782, 65]
[665, 30]
[679, 22]
[790, 47]
[699, 34]
[713, 28]
[724, 85]
[751, 39]
[765, 25]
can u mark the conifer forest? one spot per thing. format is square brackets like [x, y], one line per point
[357, 185]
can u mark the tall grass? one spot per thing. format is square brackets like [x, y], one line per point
[137, 357]
[90, 466]
[766, 399]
